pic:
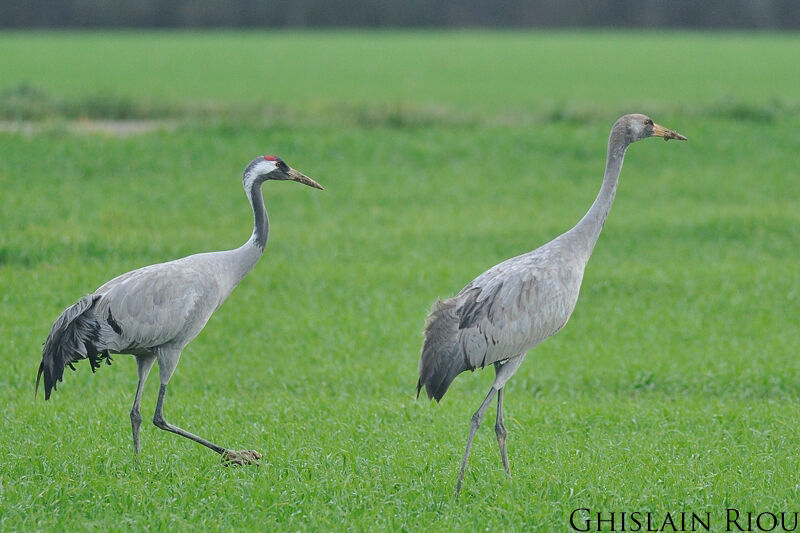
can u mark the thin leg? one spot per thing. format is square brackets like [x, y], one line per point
[167, 361]
[143, 366]
[476, 422]
[242, 457]
[159, 421]
[500, 430]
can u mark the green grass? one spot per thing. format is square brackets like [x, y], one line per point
[466, 71]
[673, 388]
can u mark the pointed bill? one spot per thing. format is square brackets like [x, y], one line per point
[661, 131]
[302, 178]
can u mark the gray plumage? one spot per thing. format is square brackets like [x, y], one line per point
[155, 311]
[503, 313]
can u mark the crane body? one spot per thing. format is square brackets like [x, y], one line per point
[503, 313]
[153, 312]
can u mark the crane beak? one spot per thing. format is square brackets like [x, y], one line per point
[661, 131]
[302, 178]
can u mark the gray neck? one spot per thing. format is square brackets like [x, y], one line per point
[248, 254]
[261, 220]
[586, 232]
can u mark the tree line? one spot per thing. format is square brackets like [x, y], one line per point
[720, 14]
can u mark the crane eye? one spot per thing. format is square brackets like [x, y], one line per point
[648, 122]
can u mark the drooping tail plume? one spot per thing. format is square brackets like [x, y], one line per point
[441, 359]
[74, 336]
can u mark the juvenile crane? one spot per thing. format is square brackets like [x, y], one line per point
[517, 304]
[153, 312]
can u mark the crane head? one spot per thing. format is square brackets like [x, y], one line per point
[270, 167]
[636, 127]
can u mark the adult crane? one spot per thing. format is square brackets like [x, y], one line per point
[153, 312]
[517, 304]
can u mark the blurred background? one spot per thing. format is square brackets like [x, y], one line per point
[751, 14]
[449, 136]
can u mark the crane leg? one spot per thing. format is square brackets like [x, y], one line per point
[143, 366]
[476, 422]
[500, 430]
[166, 366]
[160, 422]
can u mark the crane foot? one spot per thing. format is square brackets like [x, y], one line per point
[240, 458]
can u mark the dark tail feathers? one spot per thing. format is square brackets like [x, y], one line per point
[441, 359]
[74, 336]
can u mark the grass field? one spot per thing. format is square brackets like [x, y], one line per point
[674, 387]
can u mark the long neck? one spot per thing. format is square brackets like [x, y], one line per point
[586, 232]
[260, 218]
[248, 254]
